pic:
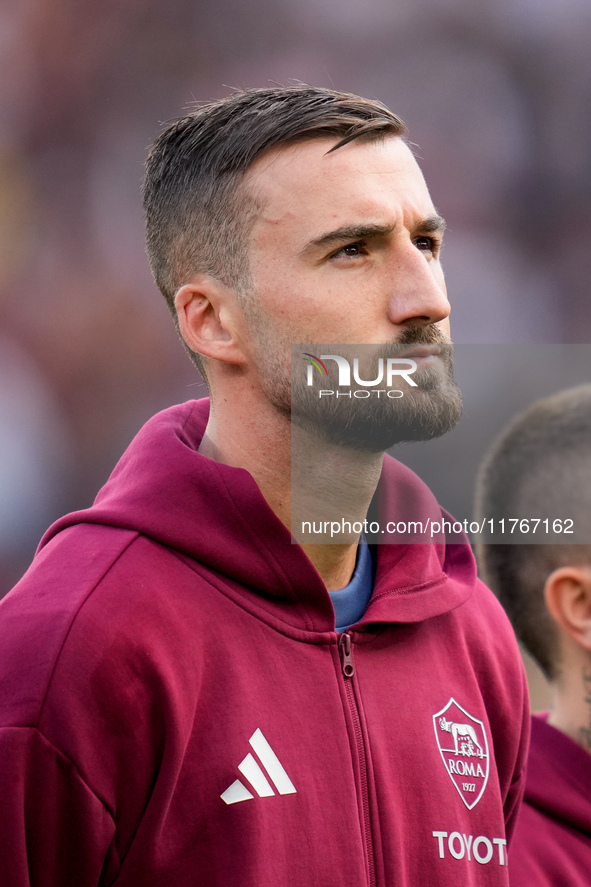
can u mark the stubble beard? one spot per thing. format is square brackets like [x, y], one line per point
[373, 424]
[370, 424]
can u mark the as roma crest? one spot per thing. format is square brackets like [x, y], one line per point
[463, 746]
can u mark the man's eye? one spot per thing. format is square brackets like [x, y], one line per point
[426, 244]
[351, 250]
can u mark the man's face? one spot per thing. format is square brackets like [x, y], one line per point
[345, 249]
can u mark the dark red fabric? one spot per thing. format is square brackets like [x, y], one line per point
[154, 635]
[552, 846]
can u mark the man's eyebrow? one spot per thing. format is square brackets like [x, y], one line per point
[429, 225]
[347, 232]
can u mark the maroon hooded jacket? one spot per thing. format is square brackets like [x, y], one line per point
[552, 846]
[176, 708]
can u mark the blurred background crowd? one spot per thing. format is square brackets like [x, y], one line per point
[497, 98]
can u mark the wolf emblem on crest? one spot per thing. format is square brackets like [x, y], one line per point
[466, 733]
[466, 758]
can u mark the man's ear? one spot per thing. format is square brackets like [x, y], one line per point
[568, 597]
[208, 316]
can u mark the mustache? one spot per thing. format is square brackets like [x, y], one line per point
[422, 335]
[412, 336]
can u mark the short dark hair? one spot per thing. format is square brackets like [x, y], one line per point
[197, 216]
[538, 467]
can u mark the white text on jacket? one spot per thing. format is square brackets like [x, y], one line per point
[482, 849]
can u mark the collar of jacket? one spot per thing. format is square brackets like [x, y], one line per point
[216, 515]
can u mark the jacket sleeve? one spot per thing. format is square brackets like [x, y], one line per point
[514, 796]
[53, 830]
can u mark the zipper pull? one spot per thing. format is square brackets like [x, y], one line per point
[346, 655]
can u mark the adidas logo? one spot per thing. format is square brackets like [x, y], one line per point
[253, 774]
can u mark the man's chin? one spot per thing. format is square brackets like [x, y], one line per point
[374, 427]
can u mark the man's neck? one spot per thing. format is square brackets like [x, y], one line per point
[300, 478]
[571, 708]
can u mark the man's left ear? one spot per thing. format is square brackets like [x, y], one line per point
[568, 598]
[208, 317]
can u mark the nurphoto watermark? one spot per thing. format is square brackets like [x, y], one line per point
[352, 403]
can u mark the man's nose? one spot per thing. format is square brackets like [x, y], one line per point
[419, 294]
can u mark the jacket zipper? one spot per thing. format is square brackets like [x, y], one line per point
[348, 669]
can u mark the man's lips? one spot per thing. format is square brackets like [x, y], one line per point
[418, 351]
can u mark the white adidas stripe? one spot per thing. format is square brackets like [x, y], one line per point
[236, 792]
[271, 762]
[253, 774]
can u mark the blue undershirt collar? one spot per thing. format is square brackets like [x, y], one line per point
[350, 602]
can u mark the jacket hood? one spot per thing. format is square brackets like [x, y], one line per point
[215, 514]
[559, 777]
